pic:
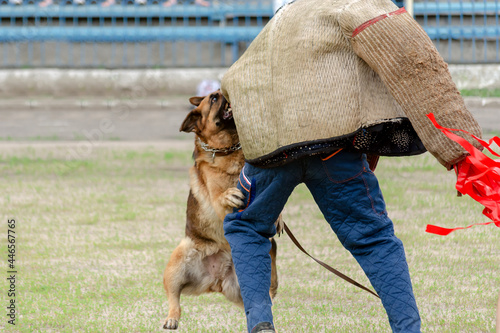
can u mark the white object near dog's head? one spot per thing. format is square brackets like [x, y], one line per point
[206, 87]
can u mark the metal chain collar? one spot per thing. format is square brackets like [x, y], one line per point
[225, 150]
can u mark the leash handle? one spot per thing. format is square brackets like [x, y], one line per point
[331, 269]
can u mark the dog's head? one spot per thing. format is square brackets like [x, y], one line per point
[212, 115]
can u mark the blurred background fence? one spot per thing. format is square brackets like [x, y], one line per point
[198, 33]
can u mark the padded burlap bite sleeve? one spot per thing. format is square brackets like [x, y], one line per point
[399, 50]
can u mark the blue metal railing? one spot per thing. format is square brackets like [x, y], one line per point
[463, 31]
[129, 34]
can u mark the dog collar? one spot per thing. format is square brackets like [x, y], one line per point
[225, 150]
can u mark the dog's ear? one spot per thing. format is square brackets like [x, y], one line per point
[189, 124]
[196, 100]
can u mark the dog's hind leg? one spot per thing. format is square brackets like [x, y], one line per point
[274, 272]
[173, 282]
[174, 312]
[231, 288]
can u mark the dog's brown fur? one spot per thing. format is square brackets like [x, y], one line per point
[202, 262]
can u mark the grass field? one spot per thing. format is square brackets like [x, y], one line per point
[94, 234]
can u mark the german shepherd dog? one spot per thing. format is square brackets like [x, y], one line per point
[202, 262]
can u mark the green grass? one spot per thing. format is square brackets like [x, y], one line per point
[94, 235]
[480, 92]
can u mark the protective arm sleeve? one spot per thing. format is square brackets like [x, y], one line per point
[393, 44]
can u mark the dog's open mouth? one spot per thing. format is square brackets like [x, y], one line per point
[228, 113]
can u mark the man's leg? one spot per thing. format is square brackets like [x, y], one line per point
[248, 232]
[349, 196]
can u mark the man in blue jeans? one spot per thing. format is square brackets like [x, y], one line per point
[349, 197]
[324, 85]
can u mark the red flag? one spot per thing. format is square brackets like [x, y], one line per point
[477, 175]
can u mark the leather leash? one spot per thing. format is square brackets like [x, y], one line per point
[331, 269]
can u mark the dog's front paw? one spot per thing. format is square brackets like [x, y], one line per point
[233, 198]
[171, 324]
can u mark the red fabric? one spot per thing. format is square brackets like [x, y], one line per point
[376, 19]
[477, 175]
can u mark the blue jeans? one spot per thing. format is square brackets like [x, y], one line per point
[348, 194]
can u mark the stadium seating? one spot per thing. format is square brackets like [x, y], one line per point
[227, 22]
[93, 16]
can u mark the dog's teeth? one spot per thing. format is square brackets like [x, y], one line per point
[228, 113]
